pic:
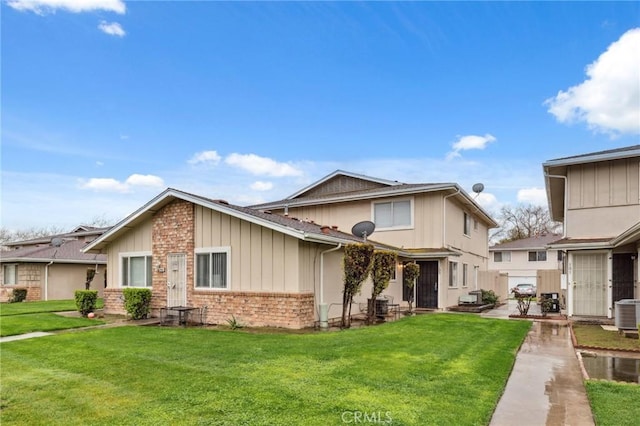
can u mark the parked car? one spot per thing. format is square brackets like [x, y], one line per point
[525, 289]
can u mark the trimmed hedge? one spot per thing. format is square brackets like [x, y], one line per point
[86, 301]
[137, 302]
[18, 295]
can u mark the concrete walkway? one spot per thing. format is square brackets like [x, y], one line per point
[546, 385]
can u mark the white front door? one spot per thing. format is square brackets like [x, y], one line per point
[590, 284]
[177, 279]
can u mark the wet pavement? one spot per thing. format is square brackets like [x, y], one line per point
[546, 385]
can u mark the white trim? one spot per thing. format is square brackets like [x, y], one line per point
[210, 250]
[130, 254]
[394, 200]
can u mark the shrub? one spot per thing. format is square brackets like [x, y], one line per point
[489, 297]
[18, 295]
[137, 302]
[86, 301]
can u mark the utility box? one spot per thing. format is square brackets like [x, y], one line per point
[555, 301]
[627, 314]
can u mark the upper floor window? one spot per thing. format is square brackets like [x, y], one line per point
[136, 269]
[467, 224]
[10, 274]
[212, 268]
[502, 256]
[537, 256]
[392, 214]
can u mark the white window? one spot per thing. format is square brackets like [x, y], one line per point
[213, 267]
[502, 256]
[453, 274]
[467, 224]
[537, 256]
[393, 214]
[136, 269]
[10, 274]
[465, 269]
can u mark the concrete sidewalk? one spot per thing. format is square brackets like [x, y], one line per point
[546, 385]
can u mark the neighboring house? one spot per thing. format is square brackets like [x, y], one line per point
[53, 267]
[597, 197]
[523, 259]
[270, 269]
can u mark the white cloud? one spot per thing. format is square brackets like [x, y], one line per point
[209, 157]
[534, 196]
[114, 185]
[144, 180]
[488, 201]
[113, 28]
[468, 142]
[257, 165]
[75, 6]
[609, 99]
[261, 186]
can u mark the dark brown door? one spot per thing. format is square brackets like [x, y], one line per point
[622, 276]
[427, 285]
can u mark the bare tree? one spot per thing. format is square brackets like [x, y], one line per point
[524, 221]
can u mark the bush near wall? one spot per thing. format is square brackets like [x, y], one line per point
[137, 302]
[86, 301]
[18, 295]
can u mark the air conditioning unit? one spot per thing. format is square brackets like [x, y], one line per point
[627, 314]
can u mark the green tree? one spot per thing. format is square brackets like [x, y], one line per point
[356, 265]
[383, 263]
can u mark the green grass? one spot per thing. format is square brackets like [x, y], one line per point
[595, 335]
[28, 323]
[427, 369]
[7, 309]
[613, 403]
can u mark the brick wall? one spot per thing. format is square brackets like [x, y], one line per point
[289, 310]
[114, 301]
[173, 232]
[30, 276]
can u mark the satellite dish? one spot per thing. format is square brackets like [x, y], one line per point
[56, 242]
[478, 188]
[363, 229]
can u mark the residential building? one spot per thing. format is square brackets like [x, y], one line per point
[52, 267]
[597, 197]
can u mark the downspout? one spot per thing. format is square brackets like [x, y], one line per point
[324, 310]
[444, 216]
[46, 280]
[566, 197]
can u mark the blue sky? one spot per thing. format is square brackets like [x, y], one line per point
[105, 103]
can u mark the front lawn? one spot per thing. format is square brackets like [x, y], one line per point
[595, 336]
[28, 323]
[427, 369]
[7, 309]
[613, 403]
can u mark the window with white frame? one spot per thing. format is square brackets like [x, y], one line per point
[392, 214]
[467, 224]
[465, 269]
[502, 256]
[453, 274]
[10, 274]
[213, 268]
[537, 256]
[136, 269]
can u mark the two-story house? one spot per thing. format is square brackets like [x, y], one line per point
[527, 260]
[280, 264]
[597, 197]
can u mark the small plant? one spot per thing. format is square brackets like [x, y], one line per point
[524, 302]
[137, 302]
[18, 295]
[86, 301]
[489, 297]
[234, 323]
[546, 304]
[410, 273]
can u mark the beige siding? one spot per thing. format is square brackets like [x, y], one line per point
[64, 280]
[606, 194]
[137, 239]
[261, 259]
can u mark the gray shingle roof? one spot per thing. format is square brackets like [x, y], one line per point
[537, 242]
[70, 251]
